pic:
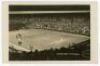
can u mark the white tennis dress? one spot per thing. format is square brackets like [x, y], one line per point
[18, 36]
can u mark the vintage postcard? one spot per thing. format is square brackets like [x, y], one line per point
[49, 32]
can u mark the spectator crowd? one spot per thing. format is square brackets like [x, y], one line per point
[73, 23]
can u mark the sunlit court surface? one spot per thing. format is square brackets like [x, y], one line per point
[45, 39]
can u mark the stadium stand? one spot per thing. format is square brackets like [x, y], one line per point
[67, 22]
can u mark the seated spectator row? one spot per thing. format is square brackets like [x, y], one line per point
[73, 23]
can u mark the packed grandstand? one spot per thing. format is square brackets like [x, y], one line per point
[66, 22]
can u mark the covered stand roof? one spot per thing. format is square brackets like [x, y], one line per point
[34, 9]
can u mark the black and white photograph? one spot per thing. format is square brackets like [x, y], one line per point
[49, 32]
